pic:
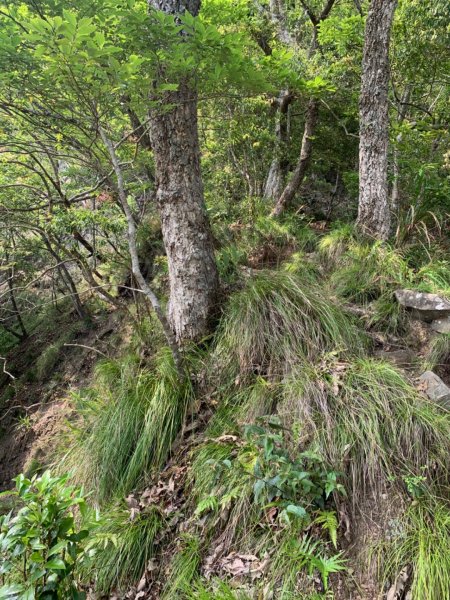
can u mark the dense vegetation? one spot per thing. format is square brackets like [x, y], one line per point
[209, 378]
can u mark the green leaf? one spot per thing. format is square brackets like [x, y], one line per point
[65, 526]
[258, 488]
[297, 511]
[59, 547]
[10, 591]
[56, 564]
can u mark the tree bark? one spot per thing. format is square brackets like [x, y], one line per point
[279, 165]
[305, 157]
[374, 216]
[395, 193]
[193, 277]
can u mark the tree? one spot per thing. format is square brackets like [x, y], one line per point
[193, 276]
[312, 111]
[373, 208]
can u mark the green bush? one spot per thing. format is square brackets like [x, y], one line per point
[41, 546]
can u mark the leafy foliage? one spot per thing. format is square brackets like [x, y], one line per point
[41, 546]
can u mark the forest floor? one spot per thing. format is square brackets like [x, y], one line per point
[40, 407]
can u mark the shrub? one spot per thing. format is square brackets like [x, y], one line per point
[41, 546]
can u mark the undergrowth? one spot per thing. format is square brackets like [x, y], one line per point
[346, 426]
[129, 421]
[423, 547]
[122, 547]
[369, 422]
[276, 321]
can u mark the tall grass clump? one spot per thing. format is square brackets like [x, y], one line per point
[129, 422]
[183, 568]
[369, 422]
[369, 270]
[423, 546]
[121, 548]
[434, 277]
[335, 243]
[277, 320]
[438, 355]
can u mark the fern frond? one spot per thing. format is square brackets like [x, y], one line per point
[329, 522]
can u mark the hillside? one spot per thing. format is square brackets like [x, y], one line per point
[224, 300]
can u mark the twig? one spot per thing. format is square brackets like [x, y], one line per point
[4, 368]
[88, 348]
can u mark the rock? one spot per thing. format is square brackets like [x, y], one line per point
[403, 357]
[426, 307]
[435, 388]
[441, 325]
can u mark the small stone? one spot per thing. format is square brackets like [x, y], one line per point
[403, 357]
[424, 306]
[441, 325]
[435, 388]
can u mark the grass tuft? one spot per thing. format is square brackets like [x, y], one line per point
[424, 544]
[438, 356]
[183, 569]
[131, 419]
[369, 422]
[278, 320]
[121, 548]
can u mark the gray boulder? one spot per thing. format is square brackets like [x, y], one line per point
[426, 307]
[435, 388]
[402, 357]
[441, 325]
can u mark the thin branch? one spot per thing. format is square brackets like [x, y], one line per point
[4, 368]
[88, 348]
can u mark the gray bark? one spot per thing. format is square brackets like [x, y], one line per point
[373, 210]
[193, 277]
[395, 193]
[278, 166]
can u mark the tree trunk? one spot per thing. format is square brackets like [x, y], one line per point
[305, 157]
[24, 334]
[12, 296]
[373, 211]
[68, 280]
[193, 276]
[132, 245]
[395, 193]
[279, 164]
